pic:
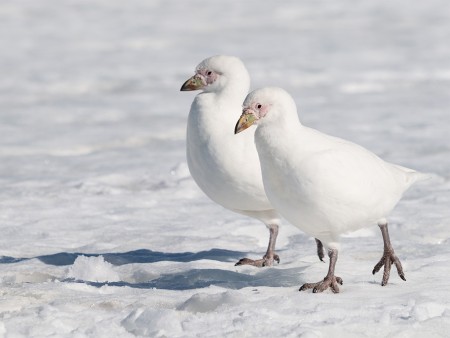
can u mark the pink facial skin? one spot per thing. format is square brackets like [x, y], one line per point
[257, 109]
[208, 76]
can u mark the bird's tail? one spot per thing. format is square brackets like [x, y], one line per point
[413, 176]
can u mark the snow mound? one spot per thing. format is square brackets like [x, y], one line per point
[152, 323]
[93, 269]
[203, 302]
[180, 171]
[427, 310]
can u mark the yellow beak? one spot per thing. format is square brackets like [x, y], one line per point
[193, 83]
[246, 120]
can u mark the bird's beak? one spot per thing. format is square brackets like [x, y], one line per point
[194, 83]
[247, 119]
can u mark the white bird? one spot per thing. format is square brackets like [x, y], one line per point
[226, 167]
[324, 185]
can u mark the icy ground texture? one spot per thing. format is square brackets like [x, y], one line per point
[104, 233]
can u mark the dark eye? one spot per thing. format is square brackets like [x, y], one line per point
[259, 106]
[208, 72]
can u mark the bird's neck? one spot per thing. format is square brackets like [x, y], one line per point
[216, 113]
[279, 126]
[278, 137]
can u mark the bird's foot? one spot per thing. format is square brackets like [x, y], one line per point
[320, 250]
[388, 258]
[267, 260]
[328, 282]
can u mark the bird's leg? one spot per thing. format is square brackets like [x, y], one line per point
[320, 252]
[388, 257]
[330, 280]
[270, 255]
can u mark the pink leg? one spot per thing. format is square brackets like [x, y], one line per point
[388, 258]
[330, 280]
[270, 255]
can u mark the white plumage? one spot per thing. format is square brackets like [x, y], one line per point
[324, 185]
[226, 167]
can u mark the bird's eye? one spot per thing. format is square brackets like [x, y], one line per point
[208, 72]
[259, 106]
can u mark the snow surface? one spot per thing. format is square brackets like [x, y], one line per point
[104, 233]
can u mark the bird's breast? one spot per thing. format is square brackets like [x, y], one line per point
[225, 166]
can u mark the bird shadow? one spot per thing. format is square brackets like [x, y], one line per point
[135, 256]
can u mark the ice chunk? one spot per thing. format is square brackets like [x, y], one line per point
[93, 269]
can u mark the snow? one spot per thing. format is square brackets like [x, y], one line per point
[93, 269]
[104, 233]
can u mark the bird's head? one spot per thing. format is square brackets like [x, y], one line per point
[265, 105]
[217, 73]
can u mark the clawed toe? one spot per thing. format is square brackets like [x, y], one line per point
[245, 261]
[320, 250]
[276, 258]
[387, 260]
[328, 282]
[265, 261]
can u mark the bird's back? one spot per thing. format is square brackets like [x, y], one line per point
[322, 182]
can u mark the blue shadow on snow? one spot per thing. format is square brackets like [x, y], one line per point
[202, 278]
[136, 256]
[186, 280]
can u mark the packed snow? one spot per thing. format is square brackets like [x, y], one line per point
[104, 232]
